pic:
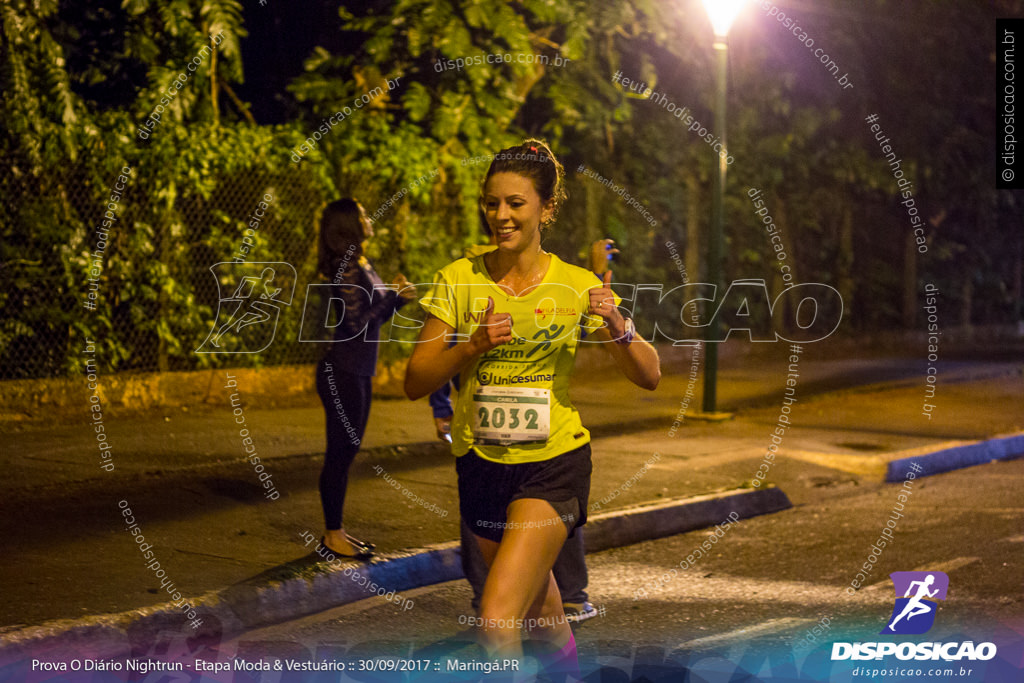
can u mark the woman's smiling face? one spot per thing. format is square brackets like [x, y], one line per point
[514, 211]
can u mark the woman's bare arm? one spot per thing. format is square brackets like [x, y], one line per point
[435, 360]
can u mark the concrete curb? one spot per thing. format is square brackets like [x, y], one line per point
[313, 587]
[946, 460]
[647, 521]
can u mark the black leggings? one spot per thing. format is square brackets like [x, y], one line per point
[346, 400]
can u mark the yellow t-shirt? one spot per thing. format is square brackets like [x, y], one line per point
[500, 388]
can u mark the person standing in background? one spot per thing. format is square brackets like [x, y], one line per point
[345, 372]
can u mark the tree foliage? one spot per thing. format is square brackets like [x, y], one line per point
[433, 101]
[194, 178]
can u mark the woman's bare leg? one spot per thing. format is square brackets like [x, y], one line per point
[519, 582]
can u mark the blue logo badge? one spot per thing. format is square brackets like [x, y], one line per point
[917, 594]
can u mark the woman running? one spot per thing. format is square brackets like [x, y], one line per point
[518, 315]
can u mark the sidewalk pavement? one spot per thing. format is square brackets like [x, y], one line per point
[222, 544]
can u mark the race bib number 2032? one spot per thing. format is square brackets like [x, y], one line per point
[507, 415]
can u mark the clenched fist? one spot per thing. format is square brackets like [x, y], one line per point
[602, 303]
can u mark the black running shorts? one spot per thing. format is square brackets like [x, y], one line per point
[486, 488]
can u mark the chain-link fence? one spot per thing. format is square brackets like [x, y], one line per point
[126, 262]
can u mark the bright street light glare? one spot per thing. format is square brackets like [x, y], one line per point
[722, 13]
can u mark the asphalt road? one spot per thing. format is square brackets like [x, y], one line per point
[769, 582]
[770, 579]
[199, 502]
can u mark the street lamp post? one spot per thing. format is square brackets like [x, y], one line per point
[722, 13]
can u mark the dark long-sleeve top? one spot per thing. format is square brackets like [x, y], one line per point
[440, 402]
[368, 304]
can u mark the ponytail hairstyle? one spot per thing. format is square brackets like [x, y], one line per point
[533, 159]
[341, 235]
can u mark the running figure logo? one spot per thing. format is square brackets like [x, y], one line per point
[914, 612]
[257, 291]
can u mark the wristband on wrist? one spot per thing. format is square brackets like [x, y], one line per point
[629, 333]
